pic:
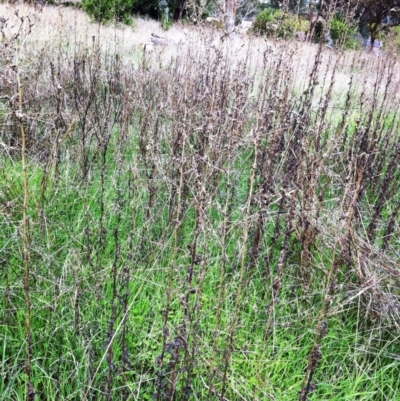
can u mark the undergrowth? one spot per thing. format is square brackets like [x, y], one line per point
[197, 226]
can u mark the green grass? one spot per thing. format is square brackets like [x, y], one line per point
[71, 291]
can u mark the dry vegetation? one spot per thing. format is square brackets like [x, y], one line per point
[217, 219]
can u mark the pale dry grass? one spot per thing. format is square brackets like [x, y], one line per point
[71, 29]
[64, 26]
[67, 24]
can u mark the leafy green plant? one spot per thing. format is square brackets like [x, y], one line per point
[343, 33]
[267, 20]
[166, 21]
[108, 10]
[275, 22]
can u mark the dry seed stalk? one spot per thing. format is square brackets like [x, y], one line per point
[331, 285]
[30, 393]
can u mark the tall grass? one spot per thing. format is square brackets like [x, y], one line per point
[198, 225]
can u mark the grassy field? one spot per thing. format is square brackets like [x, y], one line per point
[214, 219]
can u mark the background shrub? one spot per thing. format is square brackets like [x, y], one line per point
[343, 33]
[146, 7]
[274, 22]
[107, 10]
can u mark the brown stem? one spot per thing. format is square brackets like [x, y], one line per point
[30, 393]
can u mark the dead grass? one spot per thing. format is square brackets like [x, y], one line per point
[65, 25]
